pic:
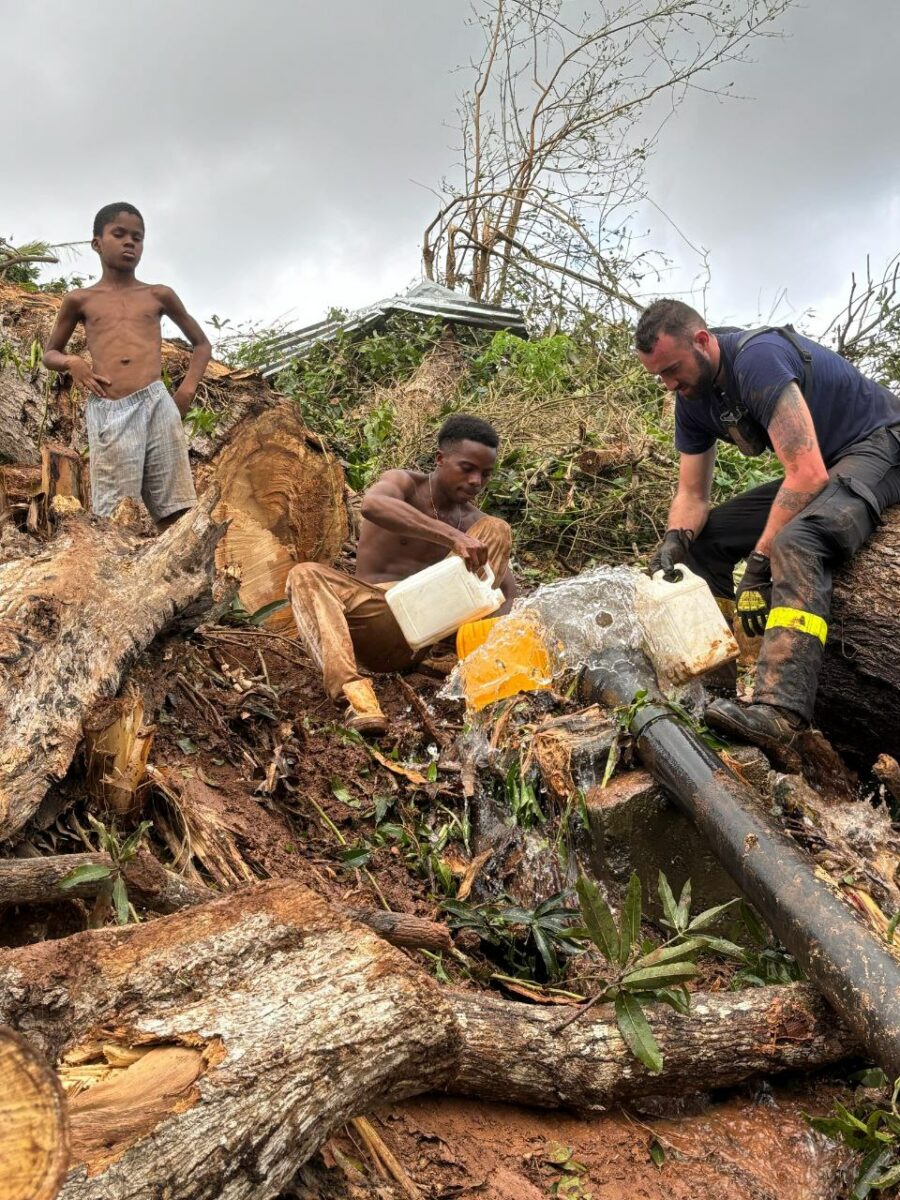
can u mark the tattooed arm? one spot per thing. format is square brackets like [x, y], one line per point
[794, 441]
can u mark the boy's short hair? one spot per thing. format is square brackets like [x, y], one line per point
[108, 214]
[462, 427]
[673, 317]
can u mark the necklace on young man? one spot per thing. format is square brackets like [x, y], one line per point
[435, 511]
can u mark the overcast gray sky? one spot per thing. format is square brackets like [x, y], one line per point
[281, 151]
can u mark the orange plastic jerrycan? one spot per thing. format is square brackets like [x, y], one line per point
[500, 657]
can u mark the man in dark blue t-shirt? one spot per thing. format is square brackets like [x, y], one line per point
[837, 436]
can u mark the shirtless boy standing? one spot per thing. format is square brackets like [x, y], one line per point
[410, 520]
[135, 435]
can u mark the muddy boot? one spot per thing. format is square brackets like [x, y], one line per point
[762, 724]
[364, 713]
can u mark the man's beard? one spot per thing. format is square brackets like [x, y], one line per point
[705, 377]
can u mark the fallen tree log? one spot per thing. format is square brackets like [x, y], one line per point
[150, 885]
[249, 1028]
[71, 622]
[858, 703]
[37, 881]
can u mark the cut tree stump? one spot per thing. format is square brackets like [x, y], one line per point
[71, 621]
[34, 1143]
[117, 746]
[284, 495]
[248, 1029]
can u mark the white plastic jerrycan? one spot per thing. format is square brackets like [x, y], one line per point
[434, 602]
[685, 633]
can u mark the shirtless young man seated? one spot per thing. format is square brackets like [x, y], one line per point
[135, 436]
[410, 521]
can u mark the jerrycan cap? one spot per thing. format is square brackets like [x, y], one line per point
[685, 574]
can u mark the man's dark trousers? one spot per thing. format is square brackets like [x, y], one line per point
[830, 530]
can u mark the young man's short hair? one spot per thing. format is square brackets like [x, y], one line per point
[673, 317]
[108, 214]
[464, 428]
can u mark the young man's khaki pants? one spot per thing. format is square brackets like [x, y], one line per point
[341, 619]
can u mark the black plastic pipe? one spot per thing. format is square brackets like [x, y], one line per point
[853, 969]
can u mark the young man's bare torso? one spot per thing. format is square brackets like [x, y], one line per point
[384, 555]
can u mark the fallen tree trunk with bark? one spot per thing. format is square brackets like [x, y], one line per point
[71, 621]
[227, 1042]
[859, 689]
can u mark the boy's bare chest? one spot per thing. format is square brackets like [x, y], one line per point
[139, 312]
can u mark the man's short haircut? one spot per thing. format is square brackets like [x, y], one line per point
[108, 214]
[666, 316]
[462, 427]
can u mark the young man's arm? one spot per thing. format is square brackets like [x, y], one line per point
[55, 357]
[794, 441]
[387, 504]
[175, 311]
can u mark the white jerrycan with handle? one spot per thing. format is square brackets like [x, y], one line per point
[684, 631]
[435, 602]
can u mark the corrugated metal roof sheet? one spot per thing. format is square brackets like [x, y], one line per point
[425, 300]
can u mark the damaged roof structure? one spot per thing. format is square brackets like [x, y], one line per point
[426, 300]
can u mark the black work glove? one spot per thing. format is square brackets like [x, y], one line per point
[673, 549]
[754, 594]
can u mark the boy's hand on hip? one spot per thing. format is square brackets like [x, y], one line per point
[83, 374]
[183, 399]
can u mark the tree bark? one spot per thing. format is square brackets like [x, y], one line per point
[71, 622]
[859, 688]
[150, 885]
[251, 1027]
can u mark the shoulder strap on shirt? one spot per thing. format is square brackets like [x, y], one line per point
[790, 334]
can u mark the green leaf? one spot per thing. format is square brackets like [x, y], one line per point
[611, 759]
[677, 998]
[636, 1032]
[873, 1165]
[668, 954]
[186, 746]
[274, 606]
[129, 847]
[120, 900]
[598, 919]
[683, 911]
[355, 857]
[889, 1179]
[657, 1153]
[667, 900]
[630, 919]
[432, 773]
[668, 975]
[723, 946]
[87, 873]
[710, 916]
[557, 1154]
[871, 1077]
[339, 791]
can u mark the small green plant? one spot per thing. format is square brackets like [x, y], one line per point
[201, 420]
[113, 890]
[547, 934]
[873, 1131]
[766, 961]
[561, 1160]
[637, 973]
[238, 615]
[521, 797]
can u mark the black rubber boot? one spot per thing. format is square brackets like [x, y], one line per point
[762, 724]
